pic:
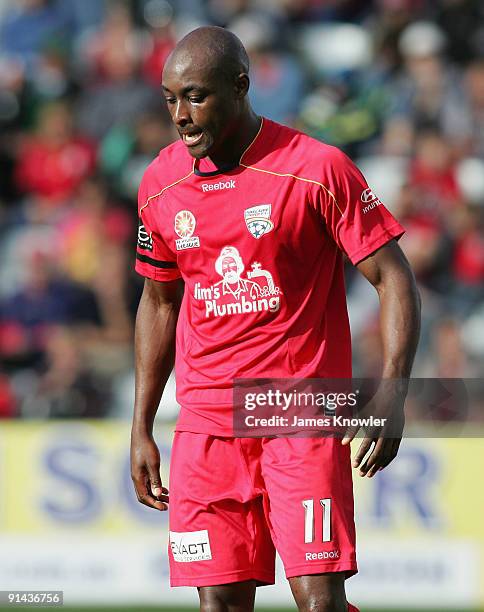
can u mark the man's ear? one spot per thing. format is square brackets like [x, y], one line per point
[241, 85]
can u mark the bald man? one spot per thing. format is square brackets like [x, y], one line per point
[290, 208]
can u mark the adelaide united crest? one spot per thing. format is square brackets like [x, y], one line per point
[258, 220]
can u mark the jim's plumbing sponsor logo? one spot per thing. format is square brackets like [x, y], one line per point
[370, 200]
[236, 293]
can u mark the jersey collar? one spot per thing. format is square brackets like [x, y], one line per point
[229, 167]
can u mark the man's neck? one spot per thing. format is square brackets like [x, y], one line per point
[237, 142]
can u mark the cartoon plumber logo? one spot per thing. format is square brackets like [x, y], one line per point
[236, 294]
[230, 266]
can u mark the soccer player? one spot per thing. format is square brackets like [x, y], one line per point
[271, 211]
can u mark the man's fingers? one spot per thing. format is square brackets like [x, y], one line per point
[155, 481]
[392, 453]
[383, 454]
[350, 435]
[364, 447]
[149, 493]
[145, 496]
[372, 471]
[156, 488]
[151, 502]
[396, 446]
[374, 457]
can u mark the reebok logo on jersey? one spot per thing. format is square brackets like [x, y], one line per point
[190, 546]
[218, 186]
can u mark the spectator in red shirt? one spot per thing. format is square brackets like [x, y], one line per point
[433, 175]
[7, 398]
[53, 162]
[468, 257]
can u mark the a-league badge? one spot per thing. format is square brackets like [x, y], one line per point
[258, 220]
[185, 226]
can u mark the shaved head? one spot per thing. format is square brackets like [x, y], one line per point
[205, 84]
[214, 49]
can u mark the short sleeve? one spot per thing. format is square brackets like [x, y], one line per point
[355, 217]
[154, 259]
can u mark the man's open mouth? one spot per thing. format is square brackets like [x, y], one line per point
[192, 139]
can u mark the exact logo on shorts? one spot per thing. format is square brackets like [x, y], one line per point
[323, 555]
[190, 546]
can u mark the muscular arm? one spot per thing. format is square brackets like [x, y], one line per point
[154, 347]
[154, 357]
[389, 272]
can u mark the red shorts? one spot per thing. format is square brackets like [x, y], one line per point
[233, 501]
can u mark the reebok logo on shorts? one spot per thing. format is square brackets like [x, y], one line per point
[190, 546]
[334, 554]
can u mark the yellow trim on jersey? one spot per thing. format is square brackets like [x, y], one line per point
[299, 178]
[164, 189]
[252, 142]
[282, 175]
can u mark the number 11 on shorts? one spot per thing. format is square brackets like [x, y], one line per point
[309, 519]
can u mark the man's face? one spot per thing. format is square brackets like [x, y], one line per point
[229, 270]
[202, 104]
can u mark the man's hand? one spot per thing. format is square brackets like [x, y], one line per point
[145, 472]
[387, 403]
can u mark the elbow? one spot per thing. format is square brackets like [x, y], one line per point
[400, 283]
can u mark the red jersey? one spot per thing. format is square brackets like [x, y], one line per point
[260, 248]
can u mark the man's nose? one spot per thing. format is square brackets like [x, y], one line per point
[181, 115]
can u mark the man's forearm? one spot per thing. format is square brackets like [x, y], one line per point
[400, 322]
[154, 356]
[389, 272]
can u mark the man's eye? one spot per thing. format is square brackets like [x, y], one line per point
[195, 99]
[170, 100]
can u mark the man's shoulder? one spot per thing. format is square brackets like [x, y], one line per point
[294, 152]
[171, 165]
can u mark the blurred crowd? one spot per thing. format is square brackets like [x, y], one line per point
[397, 84]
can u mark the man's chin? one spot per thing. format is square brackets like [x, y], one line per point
[201, 149]
[197, 153]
